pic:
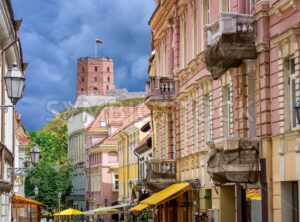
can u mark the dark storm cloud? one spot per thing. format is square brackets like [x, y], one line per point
[55, 33]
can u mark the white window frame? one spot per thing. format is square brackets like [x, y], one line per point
[114, 180]
[227, 112]
[207, 113]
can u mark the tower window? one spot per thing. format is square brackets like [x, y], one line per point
[107, 87]
[96, 68]
[95, 79]
[82, 79]
[82, 69]
[108, 69]
[95, 90]
[108, 79]
[82, 90]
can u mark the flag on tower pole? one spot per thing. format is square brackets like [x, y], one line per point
[98, 41]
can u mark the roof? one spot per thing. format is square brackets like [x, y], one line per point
[140, 111]
[112, 115]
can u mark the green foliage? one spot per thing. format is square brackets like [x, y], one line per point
[52, 173]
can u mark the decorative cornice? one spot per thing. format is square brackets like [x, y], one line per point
[280, 6]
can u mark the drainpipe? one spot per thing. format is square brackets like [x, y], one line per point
[138, 168]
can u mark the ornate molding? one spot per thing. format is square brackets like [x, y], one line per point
[280, 6]
[287, 42]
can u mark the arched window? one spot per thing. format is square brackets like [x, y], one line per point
[82, 69]
[95, 78]
[108, 69]
[82, 79]
[81, 90]
[95, 90]
[108, 79]
[96, 68]
[107, 87]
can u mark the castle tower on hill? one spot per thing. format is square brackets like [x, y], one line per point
[95, 76]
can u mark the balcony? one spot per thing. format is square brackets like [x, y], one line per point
[160, 91]
[160, 174]
[230, 40]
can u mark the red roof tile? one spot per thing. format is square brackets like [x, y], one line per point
[114, 116]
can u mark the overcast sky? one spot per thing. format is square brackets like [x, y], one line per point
[55, 33]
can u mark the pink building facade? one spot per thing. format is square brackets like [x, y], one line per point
[102, 156]
[224, 78]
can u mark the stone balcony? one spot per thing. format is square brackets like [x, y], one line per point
[230, 40]
[160, 91]
[160, 174]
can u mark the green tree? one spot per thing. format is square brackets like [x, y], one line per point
[52, 174]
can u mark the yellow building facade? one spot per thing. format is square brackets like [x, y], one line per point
[129, 137]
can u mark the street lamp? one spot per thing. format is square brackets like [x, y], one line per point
[15, 83]
[297, 109]
[59, 197]
[34, 154]
[36, 191]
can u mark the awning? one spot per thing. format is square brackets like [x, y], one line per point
[165, 193]
[24, 200]
[110, 209]
[139, 207]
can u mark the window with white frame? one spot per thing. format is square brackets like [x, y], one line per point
[115, 181]
[195, 126]
[292, 91]
[207, 109]
[227, 111]
[251, 4]
[183, 130]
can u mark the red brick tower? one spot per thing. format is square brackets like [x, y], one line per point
[95, 76]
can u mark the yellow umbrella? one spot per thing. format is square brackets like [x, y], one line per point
[69, 212]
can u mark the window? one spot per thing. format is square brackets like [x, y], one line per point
[95, 90]
[183, 41]
[108, 69]
[195, 127]
[107, 87]
[289, 201]
[82, 69]
[251, 4]
[82, 79]
[81, 90]
[103, 124]
[206, 6]
[227, 116]
[108, 79]
[96, 69]
[207, 106]
[292, 91]
[95, 79]
[115, 181]
[225, 6]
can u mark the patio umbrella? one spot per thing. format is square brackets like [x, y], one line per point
[69, 212]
